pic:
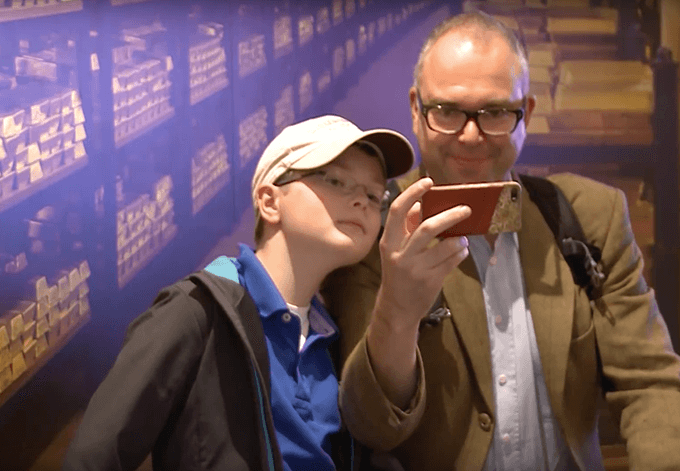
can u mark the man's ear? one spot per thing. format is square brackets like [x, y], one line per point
[267, 197]
[531, 104]
[415, 113]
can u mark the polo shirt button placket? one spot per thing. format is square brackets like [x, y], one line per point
[286, 317]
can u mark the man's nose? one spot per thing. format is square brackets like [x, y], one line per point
[470, 133]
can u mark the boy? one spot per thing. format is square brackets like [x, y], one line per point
[230, 368]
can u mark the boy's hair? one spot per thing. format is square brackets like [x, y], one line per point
[366, 147]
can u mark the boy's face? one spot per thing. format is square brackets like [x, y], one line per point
[336, 212]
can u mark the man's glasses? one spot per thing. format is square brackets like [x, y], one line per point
[448, 119]
[338, 182]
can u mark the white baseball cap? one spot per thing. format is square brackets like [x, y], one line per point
[318, 141]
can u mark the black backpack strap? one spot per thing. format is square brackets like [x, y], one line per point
[235, 302]
[247, 321]
[582, 256]
[201, 295]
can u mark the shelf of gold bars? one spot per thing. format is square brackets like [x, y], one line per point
[42, 129]
[34, 329]
[145, 226]
[141, 83]
[207, 62]
[584, 95]
[118, 3]
[13, 10]
[209, 172]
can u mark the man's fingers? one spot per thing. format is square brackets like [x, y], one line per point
[413, 218]
[449, 263]
[435, 225]
[448, 248]
[395, 224]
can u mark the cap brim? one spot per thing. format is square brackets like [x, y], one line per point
[397, 152]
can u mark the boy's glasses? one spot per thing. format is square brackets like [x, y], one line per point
[448, 119]
[339, 183]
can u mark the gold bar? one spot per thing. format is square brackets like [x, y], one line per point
[18, 365]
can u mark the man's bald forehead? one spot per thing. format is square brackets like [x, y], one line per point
[474, 34]
[475, 30]
[470, 40]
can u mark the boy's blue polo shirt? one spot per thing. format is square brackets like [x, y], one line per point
[304, 386]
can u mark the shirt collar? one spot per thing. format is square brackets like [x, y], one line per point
[258, 283]
[503, 237]
[267, 297]
[320, 321]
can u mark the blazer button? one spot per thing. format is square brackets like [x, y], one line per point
[485, 421]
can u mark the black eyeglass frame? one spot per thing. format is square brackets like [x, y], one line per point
[424, 109]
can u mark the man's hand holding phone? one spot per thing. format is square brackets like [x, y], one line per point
[414, 266]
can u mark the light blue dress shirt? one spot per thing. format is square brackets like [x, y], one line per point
[524, 439]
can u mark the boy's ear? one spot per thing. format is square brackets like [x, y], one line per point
[268, 203]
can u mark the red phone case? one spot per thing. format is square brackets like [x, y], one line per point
[495, 206]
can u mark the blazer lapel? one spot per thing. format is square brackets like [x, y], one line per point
[463, 293]
[550, 289]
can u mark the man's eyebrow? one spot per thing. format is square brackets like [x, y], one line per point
[439, 101]
[500, 103]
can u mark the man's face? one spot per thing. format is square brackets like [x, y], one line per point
[470, 75]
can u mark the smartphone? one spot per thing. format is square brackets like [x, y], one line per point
[496, 207]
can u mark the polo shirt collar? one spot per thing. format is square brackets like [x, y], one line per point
[267, 297]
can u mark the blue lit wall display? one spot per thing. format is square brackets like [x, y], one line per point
[129, 134]
[254, 91]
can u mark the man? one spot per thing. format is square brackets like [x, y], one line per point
[233, 370]
[510, 380]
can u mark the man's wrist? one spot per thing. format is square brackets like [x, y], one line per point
[394, 321]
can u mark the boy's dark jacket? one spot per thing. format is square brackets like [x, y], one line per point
[183, 387]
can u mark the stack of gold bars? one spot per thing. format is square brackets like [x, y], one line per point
[33, 327]
[141, 82]
[144, 227]
[32, 5]
[207, 62]
[41, 132]
[584, 95]
[209, 172]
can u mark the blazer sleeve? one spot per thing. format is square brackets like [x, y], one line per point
[641, 370]
[349, 294]
[131, 406]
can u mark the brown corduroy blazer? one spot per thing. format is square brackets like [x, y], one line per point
[620, 347]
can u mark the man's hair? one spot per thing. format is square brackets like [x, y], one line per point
[259, 224]
[476, 24]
